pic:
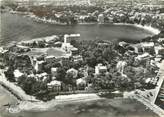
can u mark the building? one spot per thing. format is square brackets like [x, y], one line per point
[159, 50]
[38, 65]
[136, 48]
[68, 38]
[120, 67]
[161, 16]
[2, 56]
[100, 69]
[17, 74]
[81, 83]
[143, 56]
[73, 71]
[66, 46]
[54, 85]
[101, 18]
[77, 58]
[54, 71]
[42, 76]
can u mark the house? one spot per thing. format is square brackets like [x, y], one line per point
[159, 50]
[161, 40]
[77, 58]
[157, 60]
[123, 44]
[42, 76]
[74, 51]
[54, 85]
[161, 16]
[143, 56]
[136, 48]
[83, 71]
[73, 71]
[120, 67]
[38, 65]
[99, 69]
[58, 44]
[101, 18]
[141, 47]
[81, 83]
[17, 74]
[54, 71]
[50, 39]
[147, 46]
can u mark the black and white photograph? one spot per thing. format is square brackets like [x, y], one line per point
[81, 58]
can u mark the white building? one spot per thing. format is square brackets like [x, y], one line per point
[67, 37]
[73, 71]
[38, 65]
[77, 58]
[54, 85]
[17, 74]
[100, 69]
[67, 45]
[54, 71]
[120, 67]
[101, 18]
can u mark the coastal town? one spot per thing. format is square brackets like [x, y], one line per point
[48, 67]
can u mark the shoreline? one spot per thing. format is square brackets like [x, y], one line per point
[42, 20]
[145, 27]
[151, 31]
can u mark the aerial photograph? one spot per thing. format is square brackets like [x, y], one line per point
[81, 58]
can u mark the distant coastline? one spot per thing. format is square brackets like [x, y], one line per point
[37, 19]
[145, 27]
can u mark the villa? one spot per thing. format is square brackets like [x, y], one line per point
[100, 69]
[73, 71]
[54, 71]
[54, 85]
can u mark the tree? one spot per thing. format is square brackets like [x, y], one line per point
[10, 3]
[109, 54]
[60, 74]
[74, 42]
[69, 79]
[91, 61]
[9, 74]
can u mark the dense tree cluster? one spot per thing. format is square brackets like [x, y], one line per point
[116, 14]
